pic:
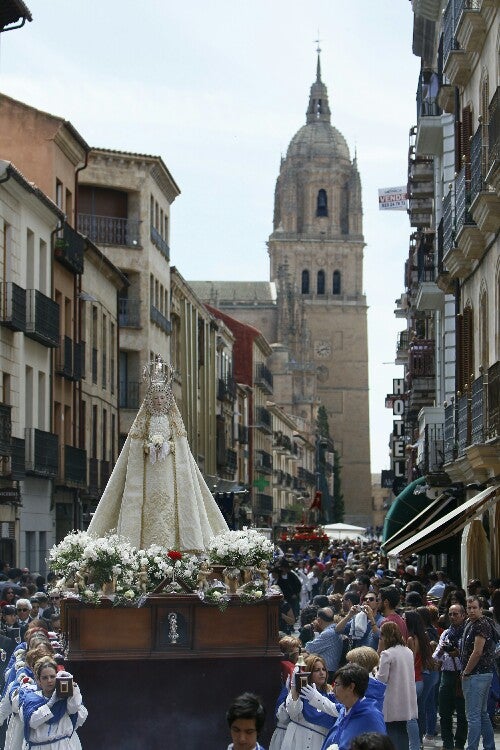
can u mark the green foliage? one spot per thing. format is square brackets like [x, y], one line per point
[322, 422]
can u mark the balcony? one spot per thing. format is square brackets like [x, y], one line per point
[263, 504]
[242, 434]
[432, 457]
[221, 389]
[264, 462]
[453, 258]
[5, 430]
[471, 27]
[18, 459]
[69, 249]
[42, 318]
[160, 320]
[129, 395]
[485, 202]
[493, 173]
[12, 306]
[129, 312]
[42, 450]
[263, 420]
[456, 61]
[429, 137]
[282, 443]
[420, 212]
[469, 239]
[110, 230]
[450, 447]
[264, 378]
[231, 460]
[421, 365]
[402, 345]
[74, 461]
[160, 243]
[421, 177]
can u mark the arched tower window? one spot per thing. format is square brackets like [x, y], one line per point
[321, 282]
[336, 285]
[305, 282]
[322, 203]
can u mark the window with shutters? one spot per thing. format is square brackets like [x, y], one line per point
[465, 140]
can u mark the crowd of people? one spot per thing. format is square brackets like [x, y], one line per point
[40, 704]
[407, 653]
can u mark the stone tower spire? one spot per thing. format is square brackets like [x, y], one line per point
[318, 109]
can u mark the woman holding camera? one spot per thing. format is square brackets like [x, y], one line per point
[312, 708]
[52, 712]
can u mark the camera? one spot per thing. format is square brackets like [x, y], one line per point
[449, 647]
[64, 687]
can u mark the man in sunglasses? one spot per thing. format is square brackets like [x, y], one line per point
[23, 611]
[54, 607]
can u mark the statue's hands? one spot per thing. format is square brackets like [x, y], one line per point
[146, 449]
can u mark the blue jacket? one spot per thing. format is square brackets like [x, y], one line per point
[375, 692]
[364, 716]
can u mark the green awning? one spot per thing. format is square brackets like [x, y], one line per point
[404, 508]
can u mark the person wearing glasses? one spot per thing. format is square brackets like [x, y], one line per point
[357, 714]
[54, 607]
[23, 610]
[451, 699]
[370, 605]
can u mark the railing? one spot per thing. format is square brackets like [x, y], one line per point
[129, 312]
[477, 163]
[242, 434]
[449, 26]
[427, 91]
[494, 129]
[263, 504]
[264, 378]
[421, 363]
[307, 476]
[12, 306]
[462, 192]
[160, 243]
[5, 430]
[129, 395]
[42, 318]
[109, 230]
[75, 465]
[433, 457]
[264, 461]
[64, 358]
[231, 460]
[448, 222]
[41, 453]
[463, 424]
[493, 390]
[263, 418]
[231, 388]
[403, 341]
[69, 249]
[160, 320]
[477, 411]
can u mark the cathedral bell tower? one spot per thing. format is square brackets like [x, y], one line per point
[317, 243]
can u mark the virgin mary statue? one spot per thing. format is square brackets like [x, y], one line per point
[156, 493]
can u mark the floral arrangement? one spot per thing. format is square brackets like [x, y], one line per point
[305, 533]
[216, 594]
[252, 592]
[66, 558]
[240, 548]
[160, 564]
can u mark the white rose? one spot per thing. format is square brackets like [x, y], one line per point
[258, 594]
[129, 594]
[217, 595]
[88, 592]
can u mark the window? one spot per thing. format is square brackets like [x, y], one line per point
[305, 282]
[59, 195]
[321, 282]
[30, 260]
[336, 285]
[322, 203]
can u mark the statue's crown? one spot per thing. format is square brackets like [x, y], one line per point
[157, 374]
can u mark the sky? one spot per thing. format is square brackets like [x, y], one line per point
[218, 89]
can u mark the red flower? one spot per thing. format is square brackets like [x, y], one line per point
[174, 555]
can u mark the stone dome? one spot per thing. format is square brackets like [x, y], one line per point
[318, 139]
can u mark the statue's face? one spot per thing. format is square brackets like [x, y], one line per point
[159, 399]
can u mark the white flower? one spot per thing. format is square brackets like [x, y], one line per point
[258, 594]
[88, 593]
[216, 594]
[129, 594]
[157, 440]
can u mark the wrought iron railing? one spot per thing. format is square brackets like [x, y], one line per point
[264, 460]
[129, 312]
[263, 504]
[477, 163]
[160, 243]
[42, 450]
[462, 191]
[421, 361]
[5, 430]
[450, 19]
[69, 249]
[493, 390]
[42, 318]
[263, 418]
[494, 129]
[160, 320]
[433, 448]
[448, 222]
[110, 230]
[427, 90]
[231, 460]
[463, 424]
[263, 377]
[242, 434]
[477, 411]
[12, 306]
[230, 388]
[75, 465]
